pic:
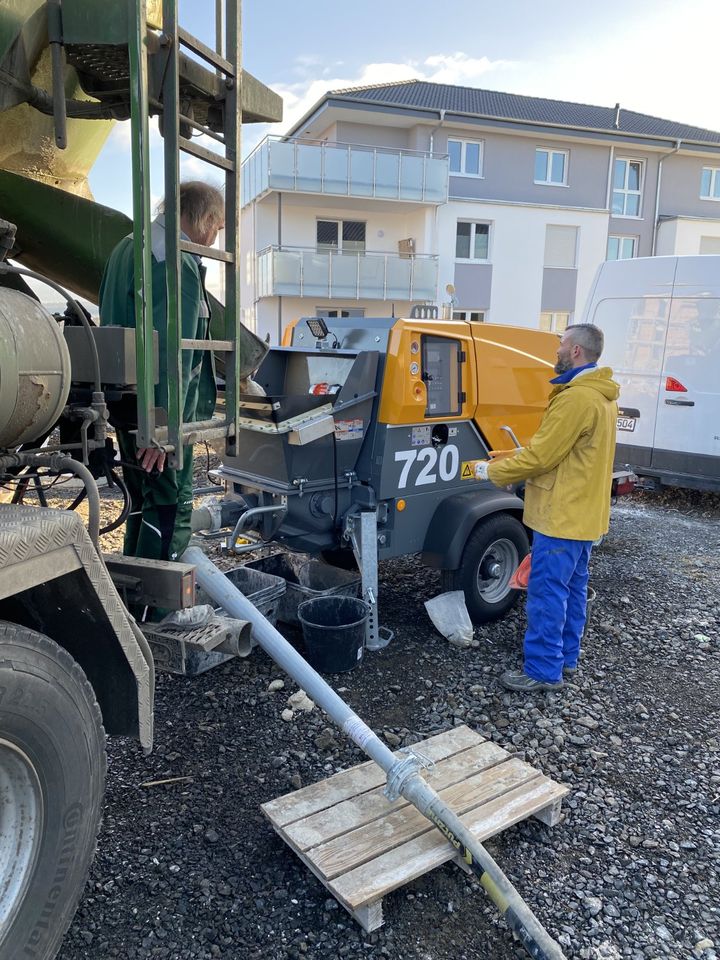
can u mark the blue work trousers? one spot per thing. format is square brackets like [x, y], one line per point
[556, 605]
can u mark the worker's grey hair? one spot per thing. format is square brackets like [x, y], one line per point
[589, 338]
[200, 203]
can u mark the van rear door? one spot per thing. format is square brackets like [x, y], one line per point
[631, 305]
[687, 434]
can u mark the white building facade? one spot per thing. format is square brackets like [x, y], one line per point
[385, 197]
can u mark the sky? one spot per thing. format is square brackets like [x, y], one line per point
[652, 56]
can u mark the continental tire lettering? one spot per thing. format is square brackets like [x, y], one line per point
[70, 822]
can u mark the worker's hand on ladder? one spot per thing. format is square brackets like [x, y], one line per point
[152, 457]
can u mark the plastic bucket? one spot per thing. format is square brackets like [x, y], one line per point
[334, 632]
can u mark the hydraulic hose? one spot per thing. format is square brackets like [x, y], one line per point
[402, 775]
[61, 464]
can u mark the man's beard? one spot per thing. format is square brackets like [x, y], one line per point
[562, 366]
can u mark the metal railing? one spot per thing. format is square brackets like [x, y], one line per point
[346, 170]
[308, 272]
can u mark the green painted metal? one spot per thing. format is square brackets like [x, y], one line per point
[140, 139]
[65, 237]
[104, 21]
[173, 256]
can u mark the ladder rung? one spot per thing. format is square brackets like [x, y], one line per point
[211, 252]
[222, 346]
[202, 153]
[206, 131]
[206, 52]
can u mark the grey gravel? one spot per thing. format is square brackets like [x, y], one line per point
[193, 870]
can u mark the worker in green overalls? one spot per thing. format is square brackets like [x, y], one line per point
[158, 527]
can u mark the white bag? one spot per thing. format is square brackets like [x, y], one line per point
[450, 616]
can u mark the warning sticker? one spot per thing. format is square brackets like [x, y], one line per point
[349, 429]
[468, 469]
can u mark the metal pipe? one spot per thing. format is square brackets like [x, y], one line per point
[57, 54]
[61, 464]
[656, 218]
[403, 778]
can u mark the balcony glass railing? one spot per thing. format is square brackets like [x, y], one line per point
[345, 170]
[306, 272]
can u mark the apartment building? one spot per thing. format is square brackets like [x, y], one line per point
[387, 196]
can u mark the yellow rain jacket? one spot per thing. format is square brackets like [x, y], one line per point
[568, 464]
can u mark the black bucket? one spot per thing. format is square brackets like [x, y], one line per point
[334, 632]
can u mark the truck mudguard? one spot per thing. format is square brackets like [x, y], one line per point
[456, 518]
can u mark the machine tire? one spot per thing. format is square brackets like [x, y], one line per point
[52, 783]
[498, 539]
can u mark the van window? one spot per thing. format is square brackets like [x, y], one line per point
[634, 333]
[693, 341]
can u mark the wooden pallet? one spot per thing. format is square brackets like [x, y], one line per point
[361, 847]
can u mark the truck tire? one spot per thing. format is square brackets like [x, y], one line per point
[492, 554]
[52, 782]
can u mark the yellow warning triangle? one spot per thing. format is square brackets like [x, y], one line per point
[467, 472]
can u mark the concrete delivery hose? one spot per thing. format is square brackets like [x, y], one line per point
[403, 778]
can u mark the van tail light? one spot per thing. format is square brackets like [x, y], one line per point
[674, 386]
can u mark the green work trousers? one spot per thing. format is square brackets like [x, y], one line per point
[158, 527]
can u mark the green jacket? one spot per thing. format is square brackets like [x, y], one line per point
[568, 464]
[117, 308]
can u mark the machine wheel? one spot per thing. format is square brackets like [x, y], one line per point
[492, 554]
[52, 782]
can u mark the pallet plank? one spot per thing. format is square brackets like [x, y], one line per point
[348, 851]
[366, 776]
[374, 879]
[363, 809]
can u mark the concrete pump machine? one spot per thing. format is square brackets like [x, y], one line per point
[356, 443]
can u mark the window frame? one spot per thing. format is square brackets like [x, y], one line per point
[576, 248]
[553, 314]
[626, 191]
[622, 237]
[465, 315]
[714, 184]
[427, 340]
[566, 163]
[473, 233]
[340, 221]
[463, 149]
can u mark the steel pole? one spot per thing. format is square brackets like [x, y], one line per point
[403, 778]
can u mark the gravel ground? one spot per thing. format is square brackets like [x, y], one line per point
[193, 870]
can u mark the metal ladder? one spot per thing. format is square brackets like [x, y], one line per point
[174, 37]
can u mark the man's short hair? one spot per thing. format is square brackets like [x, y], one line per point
[589, 337]
[200, 203]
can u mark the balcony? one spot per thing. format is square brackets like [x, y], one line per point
[344, 170]
[305, 272]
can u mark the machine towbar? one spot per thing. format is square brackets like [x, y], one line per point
[403, 776]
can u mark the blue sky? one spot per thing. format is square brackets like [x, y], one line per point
[654, 56]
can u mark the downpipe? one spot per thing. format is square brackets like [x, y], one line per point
[403, 778]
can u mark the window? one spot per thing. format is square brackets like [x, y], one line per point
[560, 246]
[621, 248]
[551, 167]
[466, 157]
[470, 316]
[472, 240]
[329, 314]
[554, 322]
[710, 184]
[709, 244]
[627, 188]
[347, 236]
[441, 372]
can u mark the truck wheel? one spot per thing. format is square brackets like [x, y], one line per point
[492, 554]
[52, 781]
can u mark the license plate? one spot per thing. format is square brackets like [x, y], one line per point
[626, 423]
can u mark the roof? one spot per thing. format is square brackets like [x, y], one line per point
[421, 94]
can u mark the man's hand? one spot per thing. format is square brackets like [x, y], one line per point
[481, 470]
[151, 457]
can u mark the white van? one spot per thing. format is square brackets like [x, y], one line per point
[661, 320]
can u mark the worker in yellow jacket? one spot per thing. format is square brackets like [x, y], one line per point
[567, 470]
